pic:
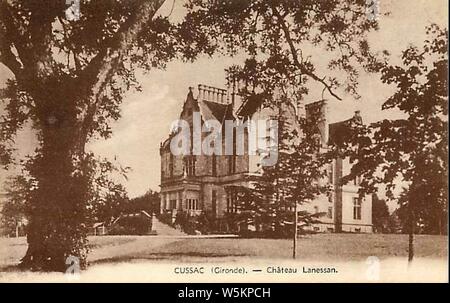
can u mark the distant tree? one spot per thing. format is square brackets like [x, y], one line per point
[430, 218]
[14, 210]
[110, 206]
[148, 202]
[107, 198]
[271, 201]
[380, 215]
[411, 151]
[395, 225]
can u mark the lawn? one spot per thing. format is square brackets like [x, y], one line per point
[323, 247]
[154, 258]
[320, 247]
[101, 247]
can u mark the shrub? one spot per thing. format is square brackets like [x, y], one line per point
[135, 225]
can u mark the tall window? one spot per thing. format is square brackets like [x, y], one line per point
[214, 165]
[192, 204]
[356, 208]
[171, 165]
[214, 202]
[180, 201]
[330, 212]
[232, 164]
[330, 174]
[190, 166]
[232, 158]
[318, 142]
[232, 206]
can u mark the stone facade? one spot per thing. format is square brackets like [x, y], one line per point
[201, 183]
[198, 183]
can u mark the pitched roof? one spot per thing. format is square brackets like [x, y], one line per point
[209, 110]
[219, 111]
[339, 132]
[250, 106]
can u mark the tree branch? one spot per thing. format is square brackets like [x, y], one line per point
[8, 58]
[70, 47]
[297, 62]
[8, 37]
[13, 36]
[102, 67]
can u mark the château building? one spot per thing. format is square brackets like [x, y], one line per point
[202, 183]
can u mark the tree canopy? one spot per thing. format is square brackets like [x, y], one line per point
[410, 154]
[69, 80]
[284, 40]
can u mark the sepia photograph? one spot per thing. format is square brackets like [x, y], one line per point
[223, 141]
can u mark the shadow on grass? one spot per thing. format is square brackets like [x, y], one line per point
[12, 268]
[163, 256]
[17, 268]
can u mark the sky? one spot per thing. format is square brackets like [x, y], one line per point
[147, 115]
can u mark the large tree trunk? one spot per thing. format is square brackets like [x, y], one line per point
[57, 204]
[58, 217]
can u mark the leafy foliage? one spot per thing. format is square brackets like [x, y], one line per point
[13, 212]
[380, 215]
[281, 41]
[149, 202]
[136, 224]
[410, 153]
[297, 177]
[108, 198]
[414, 148]
[70, 77]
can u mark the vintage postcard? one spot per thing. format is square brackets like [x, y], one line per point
[223, 141]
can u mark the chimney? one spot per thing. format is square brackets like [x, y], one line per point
[233, 93]
[199, 92]
[321, 109]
